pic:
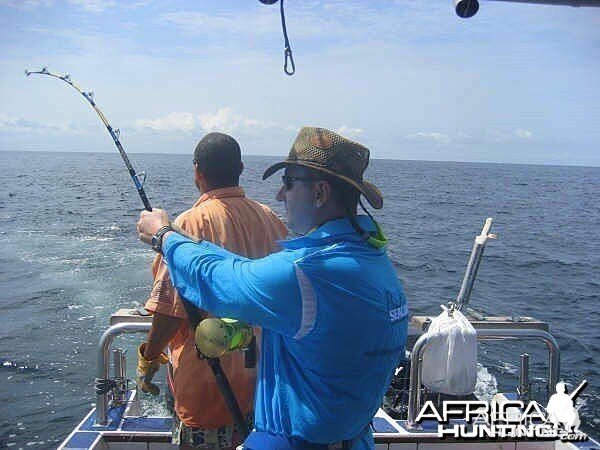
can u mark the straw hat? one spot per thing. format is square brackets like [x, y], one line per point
[328, 152]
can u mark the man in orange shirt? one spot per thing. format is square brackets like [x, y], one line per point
[224, 216]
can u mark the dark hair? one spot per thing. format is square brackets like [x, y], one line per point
[346, 195]
[221, 181]
[219, 158]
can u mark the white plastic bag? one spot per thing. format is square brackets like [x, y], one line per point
[450, 359]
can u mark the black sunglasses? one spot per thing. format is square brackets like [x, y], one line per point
[288, 181]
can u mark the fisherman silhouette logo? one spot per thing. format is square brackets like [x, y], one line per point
[561, 408]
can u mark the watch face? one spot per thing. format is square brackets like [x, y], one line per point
[155, 242]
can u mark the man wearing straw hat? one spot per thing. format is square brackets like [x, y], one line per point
[333, 313]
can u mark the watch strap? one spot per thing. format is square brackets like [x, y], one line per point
[157, 238]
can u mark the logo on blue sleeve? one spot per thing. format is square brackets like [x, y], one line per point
[397, 307]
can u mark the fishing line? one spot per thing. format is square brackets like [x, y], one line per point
[114, 132]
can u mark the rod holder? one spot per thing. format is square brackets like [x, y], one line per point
[524, 378]
[102, 364]
[120, 377]
[462, 300]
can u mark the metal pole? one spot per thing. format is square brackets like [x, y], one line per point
[473, 265]
[102, 361]
[524, 377]
[416, 358]
[120, 376]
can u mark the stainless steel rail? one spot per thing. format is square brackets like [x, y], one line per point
[416, 358]
[102, 362]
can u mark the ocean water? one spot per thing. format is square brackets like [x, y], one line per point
[70, 257]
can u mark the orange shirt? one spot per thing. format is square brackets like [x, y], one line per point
[227, 218]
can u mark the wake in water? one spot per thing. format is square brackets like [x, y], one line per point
[63, 275]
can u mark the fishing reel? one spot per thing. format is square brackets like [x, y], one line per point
[215, 337]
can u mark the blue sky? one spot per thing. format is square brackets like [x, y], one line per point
[516, 83]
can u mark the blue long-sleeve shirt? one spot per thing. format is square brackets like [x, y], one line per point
[334, 319]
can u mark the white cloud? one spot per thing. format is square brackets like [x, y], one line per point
[22, 125]
[200, 23]
[25, 3]
[523, 134]
[333, 19]
[349, 131]
[95, 6]
[224, 119]
[491, 135]
[176, 121]
[498, 135]
[431, 135]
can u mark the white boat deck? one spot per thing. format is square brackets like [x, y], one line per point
[127, 432]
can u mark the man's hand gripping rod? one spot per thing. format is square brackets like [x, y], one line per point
[114, 133]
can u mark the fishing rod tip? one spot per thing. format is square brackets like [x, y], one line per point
[27, 73]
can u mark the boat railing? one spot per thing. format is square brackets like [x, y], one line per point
[103, 380]
[489, 334]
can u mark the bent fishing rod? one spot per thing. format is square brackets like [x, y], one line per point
[215, 364]
[114, 133]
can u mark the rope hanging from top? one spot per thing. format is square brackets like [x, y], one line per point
[289, 58]
[288, 65]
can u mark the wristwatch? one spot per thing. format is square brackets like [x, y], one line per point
[157, 239]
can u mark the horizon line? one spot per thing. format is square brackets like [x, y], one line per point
[549, 164]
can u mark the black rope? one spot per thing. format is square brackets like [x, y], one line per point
[352, 217]
[362, 205]
[289, 58]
